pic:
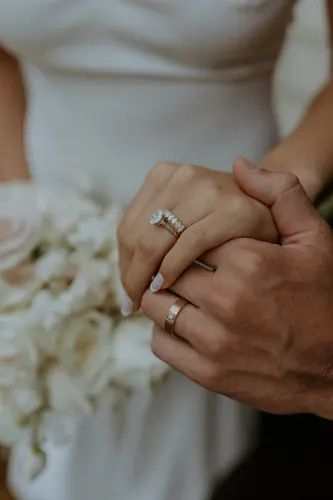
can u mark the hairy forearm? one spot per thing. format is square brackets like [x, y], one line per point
[12, 112]
[308, 151]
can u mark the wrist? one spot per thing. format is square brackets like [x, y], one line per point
[312, 177]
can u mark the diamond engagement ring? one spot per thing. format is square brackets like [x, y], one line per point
[169, 221]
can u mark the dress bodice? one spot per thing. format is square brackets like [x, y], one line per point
[153, 38]
[116, 85]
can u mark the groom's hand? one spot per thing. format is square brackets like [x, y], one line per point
[260, 330]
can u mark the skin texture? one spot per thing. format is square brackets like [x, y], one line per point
[12, 110]
[210, 204]
[211, 201]
[259, 330]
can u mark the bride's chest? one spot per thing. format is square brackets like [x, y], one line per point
[204, 32]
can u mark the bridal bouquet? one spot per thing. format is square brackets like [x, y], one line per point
[63, 343]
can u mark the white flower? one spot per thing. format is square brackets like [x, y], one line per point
[18, 355]
[66, 395]
[10, 429]
[47, 310]
[19, 223]
[90, 235]
[17, 287]
[64, 348]
[112, 215]
[82, 361]
[90, 286]
[53, 265]
[26, 400]
[62, 209]
[85, 350]
[134, 363]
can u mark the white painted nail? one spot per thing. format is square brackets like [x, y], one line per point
[157, 283]
[127, 306]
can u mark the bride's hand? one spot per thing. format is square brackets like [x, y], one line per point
[211, 206]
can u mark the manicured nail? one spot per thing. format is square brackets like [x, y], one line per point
[157, 283]
[127, 306]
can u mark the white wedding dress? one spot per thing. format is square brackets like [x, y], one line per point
[114, 86]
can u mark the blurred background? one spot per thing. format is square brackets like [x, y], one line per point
[304, 64]
[303, 67]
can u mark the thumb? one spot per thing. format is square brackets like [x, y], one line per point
[292, 211]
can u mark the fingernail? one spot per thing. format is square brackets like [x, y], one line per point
[127, 307]
[157, 283]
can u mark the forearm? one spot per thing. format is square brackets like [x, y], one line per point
[12, 113]
[308, 151]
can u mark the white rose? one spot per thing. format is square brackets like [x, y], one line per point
[113, 215]
[52, 265]
[16, 405]
[134, 363]
[18, 355]
[90, 235]
[85, 349]
[90, 285]
[62, 209]
[17, 287]
[66, 394]
[10, 429]
[82, 364]
[47, 310]
[19, 223]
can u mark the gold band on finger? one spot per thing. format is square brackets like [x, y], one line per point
[169, 228]
[173, 313]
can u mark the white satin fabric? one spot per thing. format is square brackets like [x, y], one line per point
[114, 86]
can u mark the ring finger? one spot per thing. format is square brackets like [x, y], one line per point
[191, 324]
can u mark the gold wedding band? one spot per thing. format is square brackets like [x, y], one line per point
[173, 313]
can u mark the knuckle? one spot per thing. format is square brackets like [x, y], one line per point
[218, 346]
[196, 236]
[224, 304]
[289, 181]
[160, 171]
[186, 172]
[254, 263]
[145, 246]
[231, 306]
[239, 204]
[210, 375]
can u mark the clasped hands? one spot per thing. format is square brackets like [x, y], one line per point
[259, 329]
